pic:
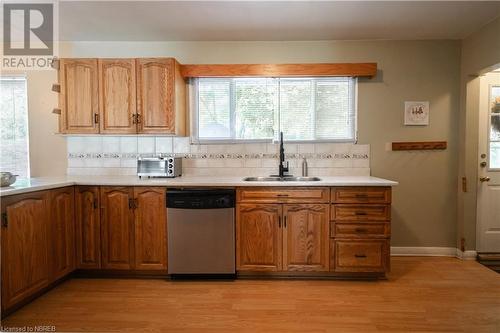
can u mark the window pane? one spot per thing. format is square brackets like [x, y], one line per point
[495, 128]
[214, 120]
[304, 109]
[334, 114]
[14, 126]
[256, 105]
[495, 155]
[296, 109]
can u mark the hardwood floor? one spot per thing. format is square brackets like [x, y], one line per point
[421, 294]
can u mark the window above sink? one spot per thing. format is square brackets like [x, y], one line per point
[305, 109]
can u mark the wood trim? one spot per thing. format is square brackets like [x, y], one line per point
[283, 194]
[280, 70]
[429, 145]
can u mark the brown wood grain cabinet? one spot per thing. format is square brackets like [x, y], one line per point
[282, 237]
[305, 237]
[161, 97]
[258, 237]
[88, 227]
[25, 226]
[360, 229]
[117, 96]
[150, 228]
[79, 96]
[117, 227]
[360, 255]
[122, 96]
[61, 232]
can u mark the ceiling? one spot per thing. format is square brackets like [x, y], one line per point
[271, 20]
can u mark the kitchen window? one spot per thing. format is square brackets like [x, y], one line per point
[14, 126]
[257, 109]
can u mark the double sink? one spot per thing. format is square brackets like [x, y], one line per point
[281, 179]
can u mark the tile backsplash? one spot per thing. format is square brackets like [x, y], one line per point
[117, 155]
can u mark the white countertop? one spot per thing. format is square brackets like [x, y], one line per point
[45, 183]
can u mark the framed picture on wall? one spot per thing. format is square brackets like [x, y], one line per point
[417, 113]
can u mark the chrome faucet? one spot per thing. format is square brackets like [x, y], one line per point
[281, 168]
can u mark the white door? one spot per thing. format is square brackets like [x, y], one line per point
[488, 229]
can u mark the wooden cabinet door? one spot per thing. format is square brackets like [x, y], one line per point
[258, 237]
[78, 98]
[88, 227]
[305, 237]
[24, 246]
[155, 96]
[62, 232]
[150, 228]
[117, 227]
[117, 96]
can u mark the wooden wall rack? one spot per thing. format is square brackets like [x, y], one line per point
[429, 145]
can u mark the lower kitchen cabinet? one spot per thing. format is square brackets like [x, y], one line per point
[288, 237]
[88, 227]
[361, 255]
[117, 227]
[25, 225]
[305, 237]
[121, 228]
[258, 237]
[61, 232]
[150, 228]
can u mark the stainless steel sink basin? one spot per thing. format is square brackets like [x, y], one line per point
[284, 179]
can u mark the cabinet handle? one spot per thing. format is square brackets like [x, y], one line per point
[136, 203]
[360, 213]
[96, 204]
[279, 221]
[360, 255]
[131, 203]
[282, 195]
[285, 221]
[5, 221]
[138, 118]
[134, 118]
[360, 230]
[96, 118]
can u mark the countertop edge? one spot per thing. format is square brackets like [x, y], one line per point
[194, 182]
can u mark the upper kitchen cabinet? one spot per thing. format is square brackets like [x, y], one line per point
[161, 97]
[122, 96]
[78, 99]
[117, 88]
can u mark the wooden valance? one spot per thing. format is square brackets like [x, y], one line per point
[280, 70]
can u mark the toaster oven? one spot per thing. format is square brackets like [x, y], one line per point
[159, 167]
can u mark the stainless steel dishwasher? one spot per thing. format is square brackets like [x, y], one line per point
[201, 232]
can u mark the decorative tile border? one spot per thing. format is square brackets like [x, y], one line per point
[320, 156]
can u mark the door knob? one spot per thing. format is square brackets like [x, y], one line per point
[484, 179]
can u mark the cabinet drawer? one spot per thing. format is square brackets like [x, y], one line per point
[356, 230]
[364, 213]
[380, 195]
[284, 195]
[360, 255]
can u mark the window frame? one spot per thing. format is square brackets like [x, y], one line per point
[194, 115]
[24, 77]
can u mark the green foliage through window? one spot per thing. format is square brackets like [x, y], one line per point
[305, 109]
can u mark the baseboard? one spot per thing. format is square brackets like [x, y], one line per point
[433, 252]
[467, 255]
